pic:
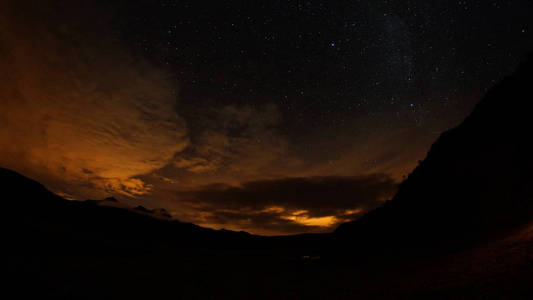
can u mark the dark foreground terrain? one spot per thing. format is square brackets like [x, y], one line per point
[89, 262]
[460, 226]
[501, 268]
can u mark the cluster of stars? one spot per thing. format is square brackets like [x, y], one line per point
[331, 63]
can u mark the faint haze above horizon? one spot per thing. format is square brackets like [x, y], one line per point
[272, 118]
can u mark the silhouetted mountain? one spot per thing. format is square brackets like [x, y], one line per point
[476, 179]
[142, 209]
[40, 219]
[111, 199]
[163, 212]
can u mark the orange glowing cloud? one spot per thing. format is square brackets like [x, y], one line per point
[302, 217]
[78, 108]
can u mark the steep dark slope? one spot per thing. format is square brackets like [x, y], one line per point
[40, 220]
[476, 179]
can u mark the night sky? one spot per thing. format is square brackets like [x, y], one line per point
[273, 117]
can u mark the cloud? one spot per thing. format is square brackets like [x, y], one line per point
[231, 143]
[288, 205]
[242, 139]
[86, 117]
[76, 108]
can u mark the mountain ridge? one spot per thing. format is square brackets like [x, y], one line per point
[474, 180]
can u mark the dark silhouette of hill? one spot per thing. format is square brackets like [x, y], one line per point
[40, 219]
[475, 181]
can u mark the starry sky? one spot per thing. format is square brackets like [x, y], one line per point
[273, 117]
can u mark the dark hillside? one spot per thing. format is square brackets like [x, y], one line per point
[475, 180]
[39, 219]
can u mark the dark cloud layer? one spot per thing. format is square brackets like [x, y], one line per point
[290, 205]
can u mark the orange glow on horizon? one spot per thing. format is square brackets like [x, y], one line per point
[353, 211]
[301, 217]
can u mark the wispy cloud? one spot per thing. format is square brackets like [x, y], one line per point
[77, 107]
